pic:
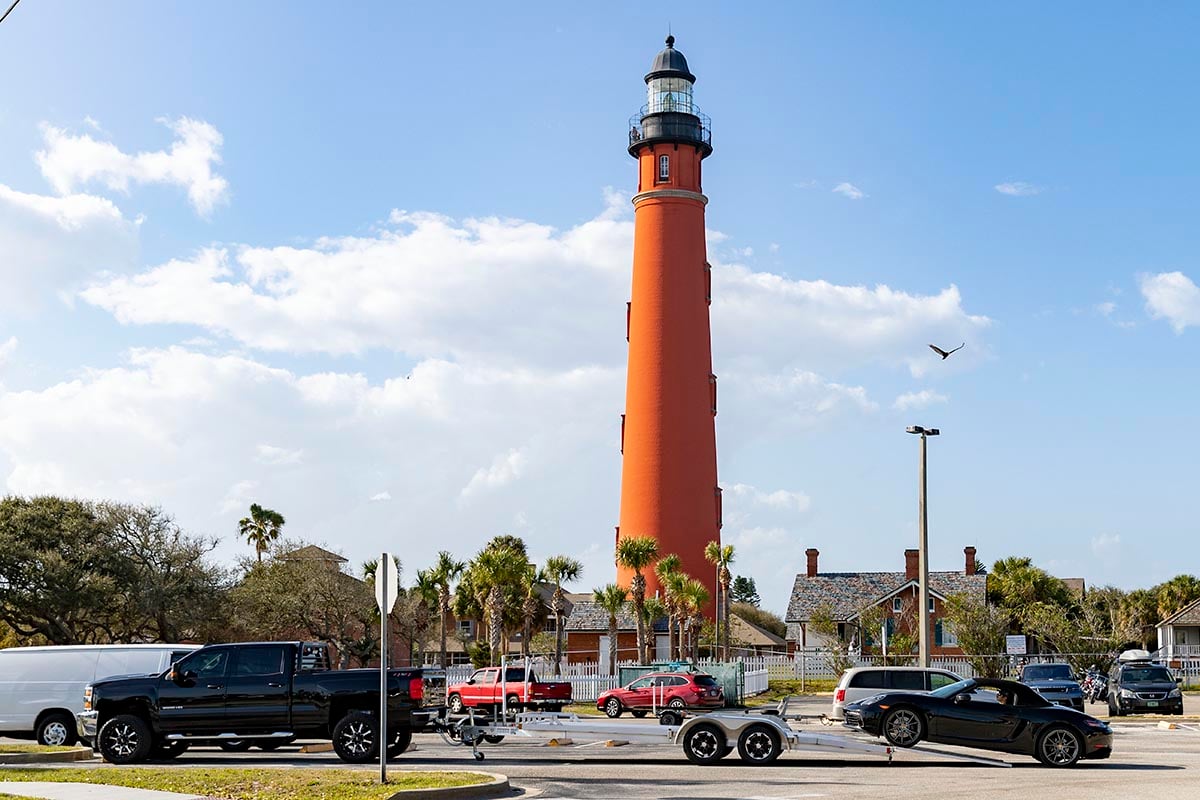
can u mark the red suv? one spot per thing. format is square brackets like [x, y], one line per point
[677, 690]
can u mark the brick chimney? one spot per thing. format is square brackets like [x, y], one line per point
[969, 552]
[812, 554]
[912, 564]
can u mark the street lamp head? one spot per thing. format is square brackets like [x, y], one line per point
[932, 432]
[914, 429]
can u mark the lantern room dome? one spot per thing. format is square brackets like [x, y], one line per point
[670, 63]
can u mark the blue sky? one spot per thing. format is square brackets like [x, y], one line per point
[359, 194]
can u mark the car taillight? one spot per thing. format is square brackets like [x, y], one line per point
[416, 689]
[839, 696]
[87, 698]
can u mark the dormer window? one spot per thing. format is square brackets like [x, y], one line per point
[664, 168]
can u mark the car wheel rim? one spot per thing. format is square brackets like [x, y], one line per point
[1060, 747]
[55, 734]
[904, 727]
[358, 738]
[613, 707]
[759, 745]
[704, 744]
[676, 703]
[456, 704]
[122, 740]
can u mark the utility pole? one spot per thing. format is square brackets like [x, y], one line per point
[923, 546]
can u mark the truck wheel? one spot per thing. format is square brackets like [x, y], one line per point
[356, 738]
[759, 744]
[234, 745]
[400, 743]
[704, 744]
[57, 728]
[456, 704]
[168, 749]
[124, 739]
[513, 702]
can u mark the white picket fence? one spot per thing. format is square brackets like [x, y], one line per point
[757, 681]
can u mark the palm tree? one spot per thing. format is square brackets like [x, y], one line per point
[560, 570]
[653, 610]
[695, 598]
[262, 527]
[494, 570]
[637, 553]
[426, 593]
[531, 602]
[443, 574]
[667, 569]
[611, 598]
[721, 556]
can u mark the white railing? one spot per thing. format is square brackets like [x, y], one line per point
[757, 681]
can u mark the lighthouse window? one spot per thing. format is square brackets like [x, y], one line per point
[664, 168]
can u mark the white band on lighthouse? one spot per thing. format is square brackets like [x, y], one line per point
[683, 194]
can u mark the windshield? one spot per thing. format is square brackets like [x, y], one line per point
[1048, 672]
[954, 688]
[1141, 674]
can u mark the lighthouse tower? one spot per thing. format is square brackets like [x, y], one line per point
[668, 437]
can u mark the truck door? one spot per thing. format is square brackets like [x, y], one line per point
[483, 691]
[195, 702]
[257, 691]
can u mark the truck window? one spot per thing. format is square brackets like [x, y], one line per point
[485, 676]
[259, 661]
[517, 676]
[209, 664]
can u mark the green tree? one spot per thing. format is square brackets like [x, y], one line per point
[671, 579]
[1016, 584]
[980, 628]
[637, 553]
[744, 591]
[1139, 610]
[1176, 594]
[612, 599]
[445, 571]
[760, 616]
[492, 576]
[530, 584]
[653, 610]
[695, 597]
[560, 570]
[721, 556]
[262, 528]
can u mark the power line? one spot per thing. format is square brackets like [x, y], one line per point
[10, 8]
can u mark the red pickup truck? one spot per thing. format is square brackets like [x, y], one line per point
[485, 689]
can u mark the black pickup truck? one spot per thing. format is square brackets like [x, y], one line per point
[264, 694]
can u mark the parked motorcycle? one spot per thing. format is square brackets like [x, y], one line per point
[1095, 686]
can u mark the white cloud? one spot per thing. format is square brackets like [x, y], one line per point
[7, 348]
[68, 161]
[1018, 189]
[1106, 545]
[1106, 309]
[278, 456]
[52, 243]
[381, 497]
[239, 497]
[1171, 296]
[911, 401]
[849, 190]
[504, 469]
[780, 499]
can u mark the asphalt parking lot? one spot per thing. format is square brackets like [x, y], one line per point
[1147, 762]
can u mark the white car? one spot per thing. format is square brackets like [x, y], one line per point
[860, 683]
[41, 688]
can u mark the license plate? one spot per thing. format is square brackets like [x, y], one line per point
[1151, 703]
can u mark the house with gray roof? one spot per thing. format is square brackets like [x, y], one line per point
[1179, 634]
[897, 593]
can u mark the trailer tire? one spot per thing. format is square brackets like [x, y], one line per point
[356, 738]
[704, 744]
[759, 744]
[670, 718]
[493, 738]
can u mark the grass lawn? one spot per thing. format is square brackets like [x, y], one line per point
[35, 748]
[4, 796]
[250, 784]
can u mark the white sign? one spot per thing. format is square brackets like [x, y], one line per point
[387, 581]
[1014, 645]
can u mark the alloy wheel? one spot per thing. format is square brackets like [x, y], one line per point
[122, 739]
[55, 734]
[704, 743]
[759, 745]
[358, 738]
[903, 728]
[1060, 747]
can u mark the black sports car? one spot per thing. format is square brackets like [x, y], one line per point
[987, 713]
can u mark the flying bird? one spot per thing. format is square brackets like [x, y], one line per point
[943, 353]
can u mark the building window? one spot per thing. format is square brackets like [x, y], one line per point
[931, 602]
[664, 168]
[465, 627]
[897, 605]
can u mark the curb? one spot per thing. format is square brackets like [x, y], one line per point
[498, 786]
[63, 756]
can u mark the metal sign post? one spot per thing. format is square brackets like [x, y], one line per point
[387, 581]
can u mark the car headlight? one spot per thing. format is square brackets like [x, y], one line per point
[87, 698]
[1174, 693]
[1127, 694]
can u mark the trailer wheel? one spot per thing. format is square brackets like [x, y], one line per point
[670, 718]
[759, 744]
[704, 744]
[493, 738]
[356, 738]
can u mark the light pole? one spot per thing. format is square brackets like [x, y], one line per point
[923, 547]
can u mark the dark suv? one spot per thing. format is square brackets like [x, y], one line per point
[1055, 682]
[1139, 686]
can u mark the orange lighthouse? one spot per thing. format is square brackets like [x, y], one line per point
[668, 434]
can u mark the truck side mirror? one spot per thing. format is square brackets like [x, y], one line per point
[470, 681]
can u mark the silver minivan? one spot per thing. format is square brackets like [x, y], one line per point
[860, 683]
[41, 688]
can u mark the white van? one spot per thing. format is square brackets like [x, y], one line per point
[41, 688]
[860, 683]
